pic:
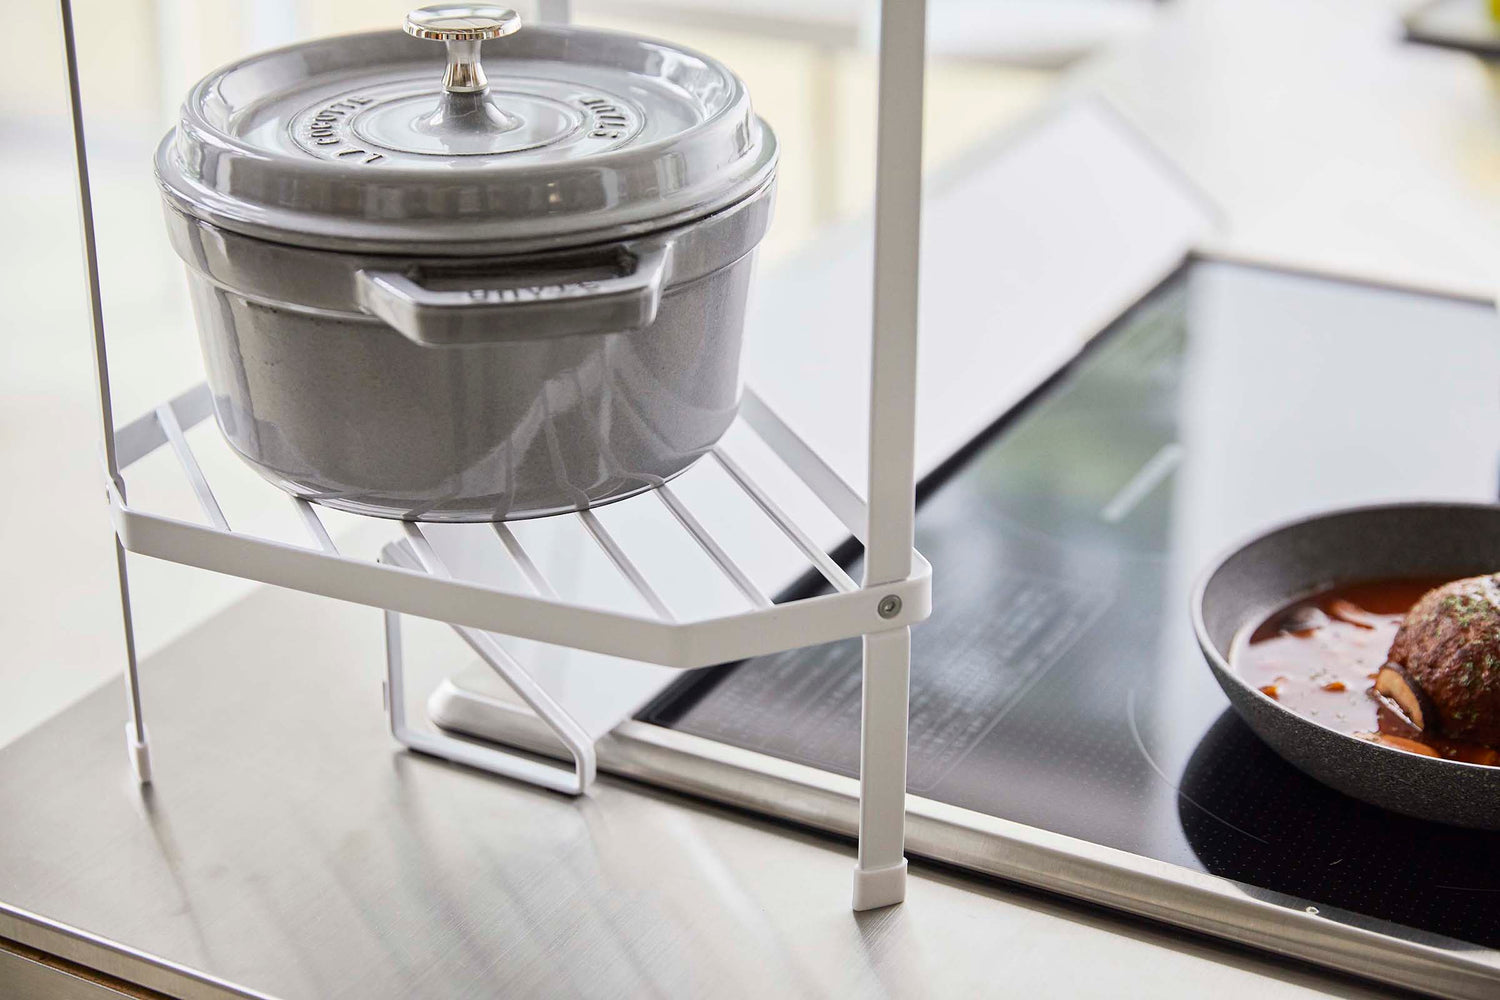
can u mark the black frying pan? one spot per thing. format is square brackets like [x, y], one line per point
[1349, 546]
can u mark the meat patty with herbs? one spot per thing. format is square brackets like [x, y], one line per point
[1448, 647]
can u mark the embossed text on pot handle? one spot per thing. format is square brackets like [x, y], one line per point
[521, 300]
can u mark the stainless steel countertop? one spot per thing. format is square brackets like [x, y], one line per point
[288, 848]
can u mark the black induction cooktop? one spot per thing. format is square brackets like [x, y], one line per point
[1058, 684]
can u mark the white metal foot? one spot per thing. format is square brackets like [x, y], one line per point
[877, 887]
[137, 742]
[570, 781]
[140, 754]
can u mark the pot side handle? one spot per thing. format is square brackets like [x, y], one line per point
[484, 309]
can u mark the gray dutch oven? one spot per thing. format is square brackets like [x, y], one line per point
[431, 295]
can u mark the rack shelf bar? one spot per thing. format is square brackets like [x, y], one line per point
[711, 547]
[832, 571]
[836, 494]
[523, 560]
[189, 463]
[628, 569]
[315, 526]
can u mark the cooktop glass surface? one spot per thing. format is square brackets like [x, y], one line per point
[1058, 683]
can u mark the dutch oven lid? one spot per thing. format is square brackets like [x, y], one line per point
[365, 142]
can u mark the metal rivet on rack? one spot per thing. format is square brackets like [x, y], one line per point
[408, 578]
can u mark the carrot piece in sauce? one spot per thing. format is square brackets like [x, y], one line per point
[1402, 743]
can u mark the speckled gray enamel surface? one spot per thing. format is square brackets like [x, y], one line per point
[1416, 539]
[333, 405]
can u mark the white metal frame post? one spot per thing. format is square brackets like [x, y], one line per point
[880, 874]
[554, 11]
[135, 730]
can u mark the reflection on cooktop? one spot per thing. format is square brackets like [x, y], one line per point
[1058, 684]
[1252, 817]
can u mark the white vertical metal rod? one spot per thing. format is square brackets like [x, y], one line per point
[554, 11]
[880, 874]
[135, 733]
[893, 367]
[137, 745]
[90, 251]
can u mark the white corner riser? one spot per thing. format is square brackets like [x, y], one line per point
[895, 594]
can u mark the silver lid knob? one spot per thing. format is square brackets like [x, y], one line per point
[462, 27]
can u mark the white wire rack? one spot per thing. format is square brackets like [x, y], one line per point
[409, 577]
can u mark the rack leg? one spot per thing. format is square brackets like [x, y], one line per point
[135, 730]
[570, 781]
[880, 875]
